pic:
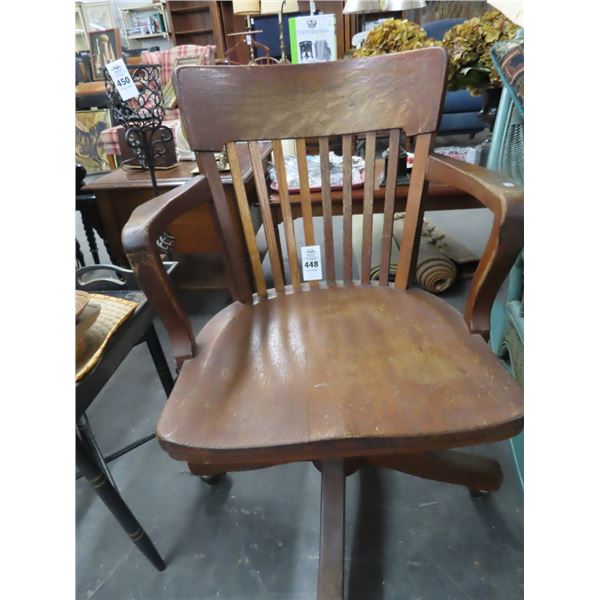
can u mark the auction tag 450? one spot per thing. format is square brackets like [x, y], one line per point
[311, 263]
[119, 73]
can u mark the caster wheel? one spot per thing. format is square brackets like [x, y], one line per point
[479, 493]
[212, 479]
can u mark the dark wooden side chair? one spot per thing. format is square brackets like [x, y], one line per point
[339, 372]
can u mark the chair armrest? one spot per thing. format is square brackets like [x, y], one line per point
[139, 236]
[505, 199]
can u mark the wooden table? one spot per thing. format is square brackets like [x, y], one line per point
[440, 197]
[119, 192]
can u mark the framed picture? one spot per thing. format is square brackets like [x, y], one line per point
[98, 16]
[89, 124]
[105, 47]
[81, 38]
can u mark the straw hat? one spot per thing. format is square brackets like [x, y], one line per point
[98, 320]
[86, 319]
[81, 300]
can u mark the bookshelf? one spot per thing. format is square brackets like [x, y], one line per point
[196, 22]
[145, 22]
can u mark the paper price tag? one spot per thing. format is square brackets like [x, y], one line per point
[122, 79]
[311, 263]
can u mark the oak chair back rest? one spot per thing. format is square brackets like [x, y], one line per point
[221, 106]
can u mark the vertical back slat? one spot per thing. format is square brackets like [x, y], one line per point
[244, 208]
[309, 233]
[413, 221]
[367, 234]
[327, 211]
[347, 206]
[388, 209]
[230, 236]
[267, 217]
[288, 222]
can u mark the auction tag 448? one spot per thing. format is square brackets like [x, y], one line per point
[122, 79]
[311, 263]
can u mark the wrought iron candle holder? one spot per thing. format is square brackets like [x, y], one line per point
[142, 119]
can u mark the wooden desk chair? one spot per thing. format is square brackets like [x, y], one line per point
[339, 372]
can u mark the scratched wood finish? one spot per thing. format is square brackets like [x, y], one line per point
[147, 222]
[346, 96]
[298, 384]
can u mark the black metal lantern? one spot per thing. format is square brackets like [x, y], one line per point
[142, 117]
[142, 120]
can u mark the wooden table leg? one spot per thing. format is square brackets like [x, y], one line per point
[88, 227]
[113, 501]
[79, 255]
[331, 555]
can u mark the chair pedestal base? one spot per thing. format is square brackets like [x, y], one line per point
[330, 585]
[475, 472]
[478, 473]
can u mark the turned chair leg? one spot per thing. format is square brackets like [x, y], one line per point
[478, 473]
[89, 440]
[113, 501]
[330, 585]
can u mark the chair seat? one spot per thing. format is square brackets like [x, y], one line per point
[337, 372]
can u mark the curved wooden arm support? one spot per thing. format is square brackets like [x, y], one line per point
[505, 199]
[139, 236]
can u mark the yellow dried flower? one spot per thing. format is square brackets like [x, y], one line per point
[395, 35]
[468, 45]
